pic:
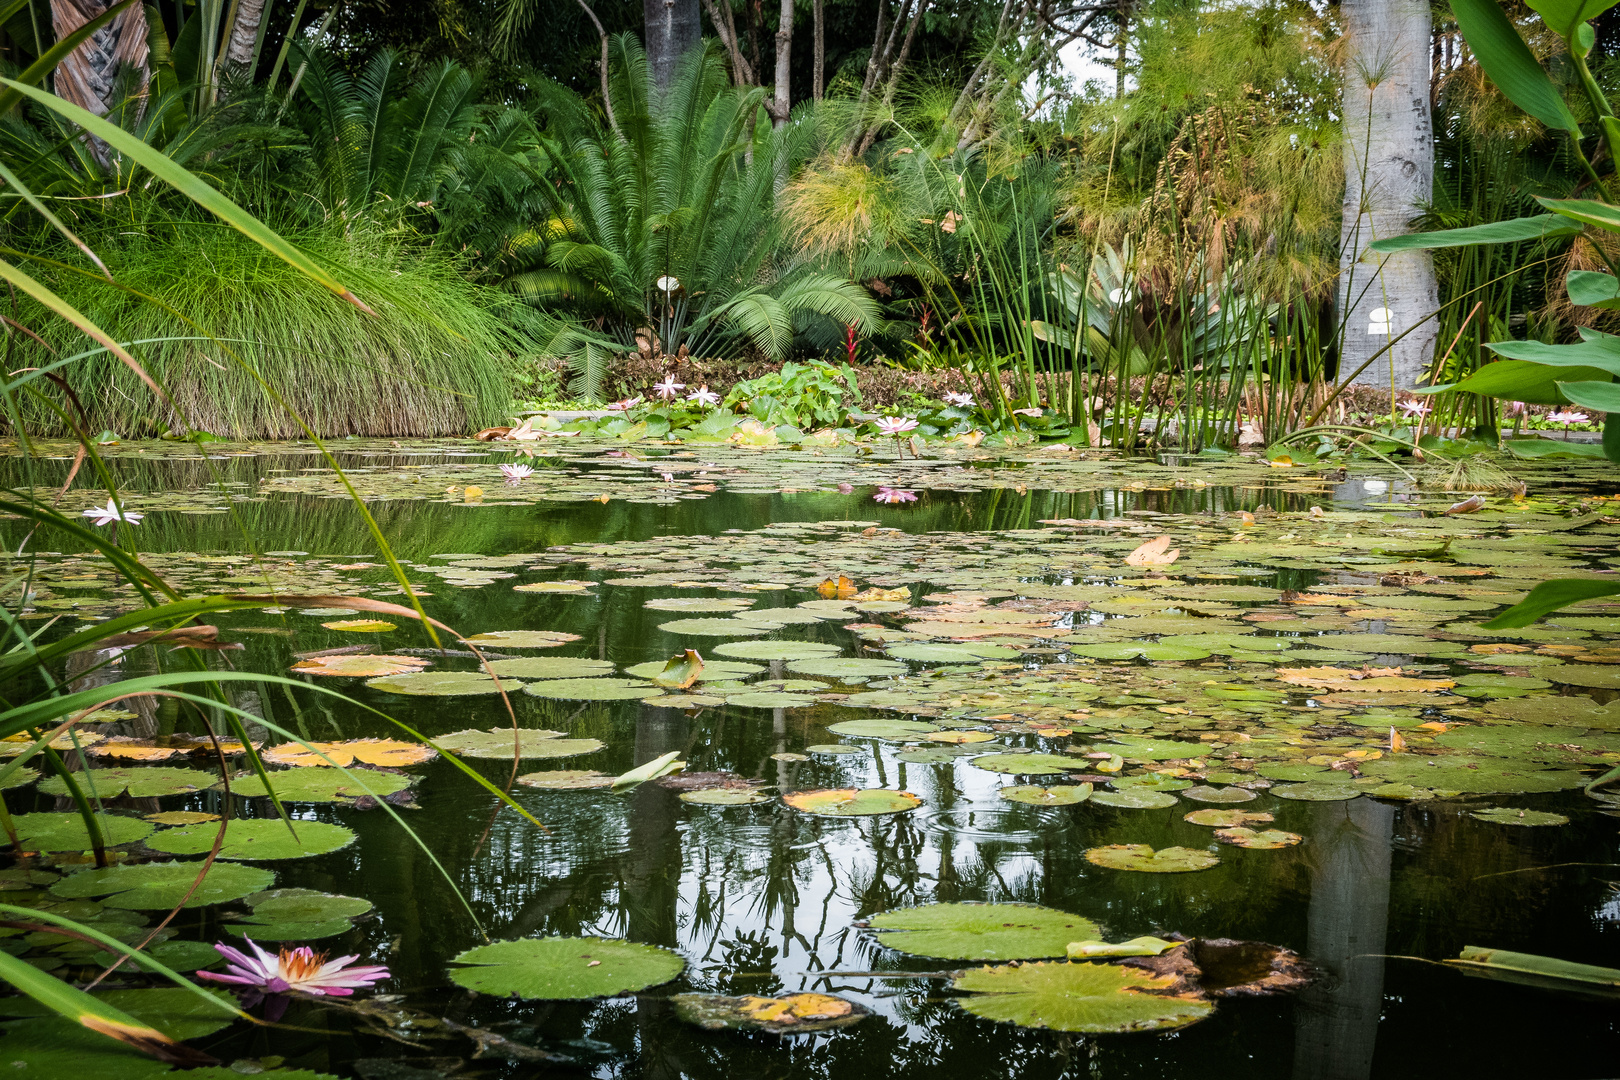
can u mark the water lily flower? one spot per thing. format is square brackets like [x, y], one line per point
[1514, 408]
[1415, 408]
[625, 405]
[515, 473]
[961, 401]
[1570, 417]
[894, 495]
[704, 396]
[1027, 412]
[291, 971]
[669, 389]
[105, 515]
[895, 425]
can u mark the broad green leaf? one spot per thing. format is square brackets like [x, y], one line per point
[1170, 860]
[136, 781]
[155, 886]
[1035, 795]
[320, 784]
[1510, 63]
[1603, 396]
[1550, 596]
[564, 968]
[1537, 970]
[852, 802]
[981, 931]
[1087, 997]
[1508, 815]
[255, 839]
[1564, 17]
[504, 742]
[66, 832]
[1589, 288]
[1586, 211]
[1518, 230]
[1525, 380]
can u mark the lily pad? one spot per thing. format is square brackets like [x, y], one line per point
[160, 885]
[929, 653]
[713, 670]
[134, 781]
[1135, 799]
[298, 915]
[521, 639]
[1473, 775]
[882, 729]
[1027, 764]
[835, 749]
[794, 1014]
[360, 626]
[361, 667]
[564, 968]
[1264, 840]
[852, 802]
[1081, 997]
[700, 603]
[179, 817]
[383, 753]
[841, 667]
[256, 839]
[959, 737]
[1312, 791]
[724, 797]
[1139, 650]
[66, 832]
[1170, 860]
[1035, 795]
[770, 700]
[717, 628]
[438, 684]
[593, 689]
[1226, 819]
[981, 931]
[498, 742]
[321, 784]
[567, 780]
[1218, 794]
[550, 667]
[1507, 815]
[775, 650]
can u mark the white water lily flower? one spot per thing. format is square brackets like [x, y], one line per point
[961, 401]
[106, 515]
[896, 425]
[669, 389]
[514, 473]
[704, 396]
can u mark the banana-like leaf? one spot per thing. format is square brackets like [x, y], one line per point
[1510, 63]
[1586, 211]
[96, 1015]
[1595, 350]
[188, 184]
[1564, 17]
[1589, 288]
[1546, 971]
[1551, 596]
[1603, 396]
[1521, 380]
[1515, 231]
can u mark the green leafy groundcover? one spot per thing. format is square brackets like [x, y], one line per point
[981, 931]
[1081, 997]
[564, 968]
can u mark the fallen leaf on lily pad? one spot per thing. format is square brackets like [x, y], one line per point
[681, 671]
[1155, 552]
[1170, 860]
[362, 667]
[1083, 997]
[793, 1014]
[852, 802]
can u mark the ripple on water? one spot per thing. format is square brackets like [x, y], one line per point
[1003, 824]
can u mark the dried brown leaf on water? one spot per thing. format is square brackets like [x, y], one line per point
[1376, 680]
[1223, 967]
[1155, 552]
[1467, 506]
[682, 670]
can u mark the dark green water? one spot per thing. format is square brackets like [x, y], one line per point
[761, 900]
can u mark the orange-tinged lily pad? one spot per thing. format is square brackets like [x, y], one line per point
[360, 626]
[852, 802]
[125, 748]
[385, 753]
[792, 1014]
[360, 667]
[1368, 680]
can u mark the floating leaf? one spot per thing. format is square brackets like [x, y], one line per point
[123, 748]
[563, 968]
[521, 639]
[550, 667]
[1331, 678]
[255, 839]
[438, 683]
[1035, 795]
[593, 689]
[724, 797]
[566, 780]
[896, 730]
[776, 650]
[1535, 970]
[832, 748]
[12, 745]
[1139, 650]
[1473, 775]
[1507, 815]
[959, 738]
[852, 802]
[951, 654]
[658, 766]
[530, 743]
[794, 1014]
[298, 915]
[156, 886]
[383, 753]
[180, 817]
[712, 670]
[319, 784]
[1170, 860]
[1312, 791]
[1266, 840]
[1027, 764]
[1155, 552]
[66, 832]
[980, 931]
[1226, 819]
[1135, 799]
[717, 628]
[846, 667]
[1218, 795]
[700, 603]
[1102, 950]
[360, 626]
[563, 587]
[134, 781]
[1083, 997]
[360, 667]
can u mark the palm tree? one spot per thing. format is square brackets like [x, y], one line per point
[1389, 180]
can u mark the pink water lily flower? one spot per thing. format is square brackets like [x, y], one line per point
[961, 401]
[291, 971]
[105, 515]
[669, 389]
[1415, 408]
[704, 396]
[625, 405]
[896, 425]
[894, 495]
[515, 473]
[1570, 417]
[1514, 408]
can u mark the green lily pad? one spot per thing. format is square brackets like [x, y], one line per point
[255, 839]
[550, 667]
[521, 639]
[1226, 644]
[724, 797]
[1170, 860]
[1507, 815]
[1294, 773]
[717, 628]
[981, 931]
[531, 743]
[852, 802]
[66, 832]
[1135, 799]
[1218, 794]
[836, 749]
[1153, 749]
[713, 670]
[154, 886]
[1264, 840]
[1151, 782]
[1139, 650]
[320, 784]
[1226, 819]
[703, 604]
[929, 653]
[439, 683]
[1082, 997]
[843, 667]
[298, 915]
[564, 968]
[593, 689]
[174, 955]
[893, 730]
[1473, 775]
[940, 755]
[1553, 745]
[1059, 795]
[1313, 791]
[775, 650]
[136, 781]
[566, 780]
[770, 700]
[1027, 764]
[177, 1012]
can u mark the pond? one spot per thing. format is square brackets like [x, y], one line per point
[1301, 706]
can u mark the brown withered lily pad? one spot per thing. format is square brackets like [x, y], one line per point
[791, 1014]
[1224, 967]
[703, 781]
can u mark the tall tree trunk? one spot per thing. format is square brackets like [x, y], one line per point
[782, 104]
[672, 27]
[818, 80]
[1389, 176]
[87, 75]
[244, 33]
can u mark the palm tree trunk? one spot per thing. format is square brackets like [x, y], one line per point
[244, 33]
[1389, 177]
[86, 77]
[672, 27]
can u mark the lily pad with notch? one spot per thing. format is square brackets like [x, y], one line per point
[66, 832]
[500, 742]
[1058, 795]
[792, 1014]
[134, 781]
[1143, 858]
[298, 915]
[1079, 997]
[550, 667]
[320, 784]
[981, 931]
[852, 802]
[564, 968]
[255, 839]
[161, 885]
[593, 689]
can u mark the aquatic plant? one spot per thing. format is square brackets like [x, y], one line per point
[271, 977]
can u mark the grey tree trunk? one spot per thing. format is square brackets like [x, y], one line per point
[1389, 176]
[241, 46]
[782, 104]
[672, 27]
